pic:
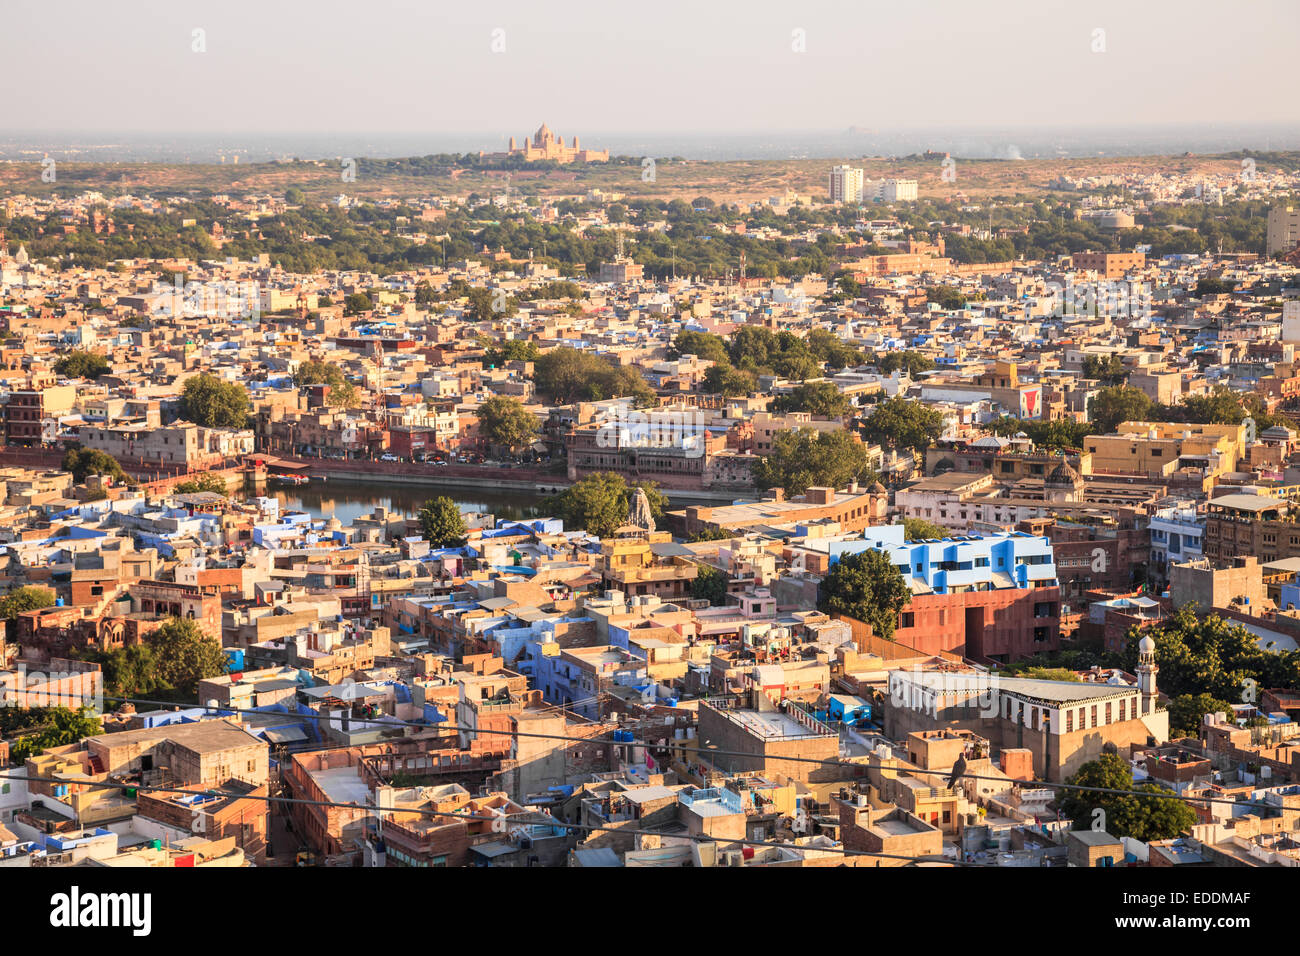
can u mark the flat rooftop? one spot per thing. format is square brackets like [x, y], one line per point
[769, 725]
[342, 785]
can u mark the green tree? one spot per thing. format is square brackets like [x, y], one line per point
[802, 458]
[356, 303]
[1221, 407]
[598, 504]
[1108, 368]
[210, 483]
[916, 529]
[913, 363]
[185, 655]
[1211, 286]
[817, 398]
[30, 598]
[60, 726]
[727, 380]
[714, 534]
[867, 586]
[710, 584]
[510, 350]
[1186, 711]
[1145, 816]
[830, 349]
[1059, 434]
[129, 671]
[214, 403]
[567, 375]
[1208, 655]
[946, 296]
[504, 421]
[441, 523]
[342, 393]
[902, 424]
[91, 461]
[83, 364]
[1116, 404]
[704, 345]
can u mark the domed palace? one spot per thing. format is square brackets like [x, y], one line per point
[546, 145]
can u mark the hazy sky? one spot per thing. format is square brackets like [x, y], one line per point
[650, 67]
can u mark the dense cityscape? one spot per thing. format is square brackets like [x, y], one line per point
[545, 506]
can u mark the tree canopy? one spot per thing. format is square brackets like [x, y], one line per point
[803, 458]
[902, 424]
[710, 584]
[83, 364]
[1116, 404]
[598, 503]
[91, 461]
[214, 403]
[918, 529]
[184, 655]
[213, 484]
[567, 375]
[1208, 655]
[342, 393]
[1142, 817]
[441, 523]
[29, 598]
[504, 421]
[867, 586]
[40, 728]
[823, 399]
[913, 363]
[1187, 710]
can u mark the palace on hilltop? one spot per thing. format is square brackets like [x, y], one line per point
[546, 145]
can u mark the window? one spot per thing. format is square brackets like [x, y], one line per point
[907, 619]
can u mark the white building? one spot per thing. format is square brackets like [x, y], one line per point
[846, 184]
[1291, 321]
[1177, 533]
[898, 190]
[1283, 229]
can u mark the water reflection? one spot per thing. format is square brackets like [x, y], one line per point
[347, 500]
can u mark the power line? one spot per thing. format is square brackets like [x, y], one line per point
[702, 750]
[551, 821]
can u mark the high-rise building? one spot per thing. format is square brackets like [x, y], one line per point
[1283, 229]
[1291, 321]
[846, 184]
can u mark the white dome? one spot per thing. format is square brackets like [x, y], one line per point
[1147, 645]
